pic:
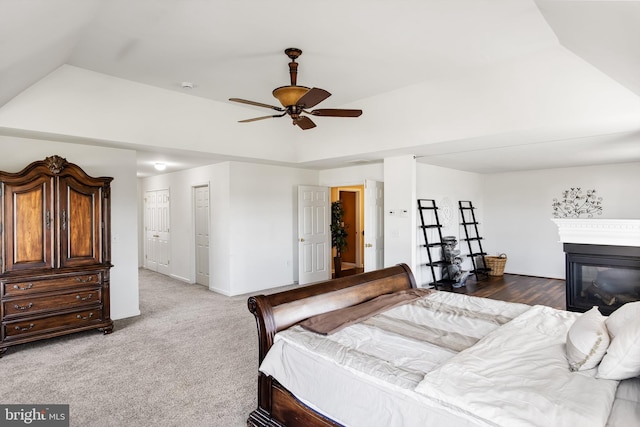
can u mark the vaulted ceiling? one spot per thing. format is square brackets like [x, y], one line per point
[477, 85]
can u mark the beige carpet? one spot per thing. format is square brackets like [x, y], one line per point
[190, 359]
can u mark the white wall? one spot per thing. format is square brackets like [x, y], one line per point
[254, 212]
[254, 215]
[253, 235]
[181, 221]
[447, 187]
[96, 161]
[264, 212]
[221, 229]
[352, 175]
[518, 211]
[399, 211]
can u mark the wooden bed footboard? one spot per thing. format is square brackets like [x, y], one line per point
[276, 312]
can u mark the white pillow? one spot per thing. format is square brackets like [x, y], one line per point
[622, 360]
[587, 341]
[619, 319]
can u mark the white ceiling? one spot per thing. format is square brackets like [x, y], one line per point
[422, 67]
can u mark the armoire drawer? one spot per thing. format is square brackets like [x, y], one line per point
[13, 329]
[44, 285]
[62, 301]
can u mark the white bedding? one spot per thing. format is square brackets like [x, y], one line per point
[518, 375]
[404, 367]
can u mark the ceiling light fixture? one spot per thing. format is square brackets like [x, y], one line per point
[289, 95]
[160, 166]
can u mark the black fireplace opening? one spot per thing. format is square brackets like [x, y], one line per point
[602, 275]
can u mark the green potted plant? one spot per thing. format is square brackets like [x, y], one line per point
[338, 235]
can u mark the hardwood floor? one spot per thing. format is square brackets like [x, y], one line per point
[511, 287]
[525, 289]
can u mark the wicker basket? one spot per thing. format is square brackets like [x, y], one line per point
[496, 264]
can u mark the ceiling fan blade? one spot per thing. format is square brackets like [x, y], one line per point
[336, 112]
[313, 97]
[257, 104]
[304, 122]
[255, 119]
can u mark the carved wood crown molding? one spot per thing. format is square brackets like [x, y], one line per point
[55, 163]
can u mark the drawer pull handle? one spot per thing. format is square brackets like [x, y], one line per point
[85, 317]
[18, 328]
[81, 280]
[23, 307]
[29, 286]
[85, 298]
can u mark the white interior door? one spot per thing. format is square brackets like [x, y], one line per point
[373, 225]
[157, 237]
[201, 209]
[314, 235]
[150, 255]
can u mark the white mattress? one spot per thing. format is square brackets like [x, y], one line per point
[367, 374]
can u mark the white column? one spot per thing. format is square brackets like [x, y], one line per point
[400, 211]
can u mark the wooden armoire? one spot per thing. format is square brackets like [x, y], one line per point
[55, 254]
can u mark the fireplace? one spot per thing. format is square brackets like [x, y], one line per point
[602, 262]
[602, 275]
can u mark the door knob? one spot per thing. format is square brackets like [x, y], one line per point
[368, 245]
[302, 240]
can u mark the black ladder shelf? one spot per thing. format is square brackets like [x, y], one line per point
[429, 207]
[473, 239]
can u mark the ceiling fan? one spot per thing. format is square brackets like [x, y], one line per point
[296, 99]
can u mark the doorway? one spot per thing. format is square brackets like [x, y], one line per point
[352, 198]
[201, 229]
[349, 201]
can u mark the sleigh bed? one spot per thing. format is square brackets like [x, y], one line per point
[373, 350]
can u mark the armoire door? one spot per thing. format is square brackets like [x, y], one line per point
[80, 221]
[28, 224]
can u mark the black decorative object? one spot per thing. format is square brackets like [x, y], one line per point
[452, 270]
[575, 204]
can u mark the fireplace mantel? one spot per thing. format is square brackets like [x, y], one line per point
[614, 232]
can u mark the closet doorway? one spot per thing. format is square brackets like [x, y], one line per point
[201, 228]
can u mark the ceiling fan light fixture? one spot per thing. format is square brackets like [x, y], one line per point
[289, 95]
[296, 100]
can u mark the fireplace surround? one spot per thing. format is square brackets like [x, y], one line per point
[602, 262]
